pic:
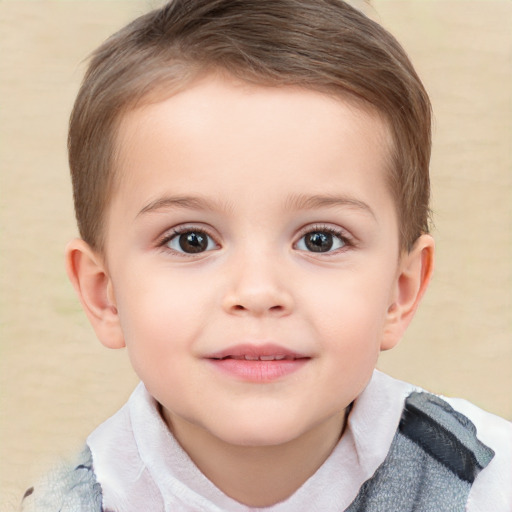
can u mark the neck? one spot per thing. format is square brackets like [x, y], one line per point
[258, 476]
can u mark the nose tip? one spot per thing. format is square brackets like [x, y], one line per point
[257, 281]
[258, 296]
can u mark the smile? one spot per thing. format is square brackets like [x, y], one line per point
[257, 363]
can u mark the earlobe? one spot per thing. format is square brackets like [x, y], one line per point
[414, 274]
[89, 276]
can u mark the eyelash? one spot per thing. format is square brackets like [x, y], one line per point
[347, 240]
[169, 236]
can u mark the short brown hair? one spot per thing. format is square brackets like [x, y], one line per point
[324, 45]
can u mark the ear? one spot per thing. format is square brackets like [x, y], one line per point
[413, 277]
[88, 273]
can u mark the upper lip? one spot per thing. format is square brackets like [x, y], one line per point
[253, 352]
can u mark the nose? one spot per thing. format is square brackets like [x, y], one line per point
[257, 287]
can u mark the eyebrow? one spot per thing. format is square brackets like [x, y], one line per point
[186, 202]
[306, 202]
[296, 202]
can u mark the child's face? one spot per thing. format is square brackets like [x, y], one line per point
[253, 221]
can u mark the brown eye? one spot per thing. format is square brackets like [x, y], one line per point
[320, 241]
[191, 242]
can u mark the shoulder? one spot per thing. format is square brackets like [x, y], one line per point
[491, 429]
[491, 489]
[68, 488]
[470, 443]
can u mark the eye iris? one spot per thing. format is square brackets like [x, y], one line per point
[318, 241]
[193, 242]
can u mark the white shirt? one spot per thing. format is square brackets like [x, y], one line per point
[141, 466]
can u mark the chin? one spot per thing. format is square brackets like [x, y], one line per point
[258, 433]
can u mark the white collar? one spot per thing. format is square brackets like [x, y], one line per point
[134, 450]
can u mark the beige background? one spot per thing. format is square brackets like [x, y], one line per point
[57, 383]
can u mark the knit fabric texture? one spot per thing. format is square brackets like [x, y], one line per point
[434, 458]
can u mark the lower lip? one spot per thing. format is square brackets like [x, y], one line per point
[258, 371]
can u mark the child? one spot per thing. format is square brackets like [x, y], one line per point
[251, 187]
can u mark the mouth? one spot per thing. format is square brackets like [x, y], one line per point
[258, 363]
[248, 357]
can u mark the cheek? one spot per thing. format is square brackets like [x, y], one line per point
[161, 309]
[143, 285]
[349, 320]
[350, 306]
[158, 332]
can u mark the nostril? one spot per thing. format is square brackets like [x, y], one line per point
[273, 309]
[259, 302]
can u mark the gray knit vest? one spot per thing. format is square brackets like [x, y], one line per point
[434, 459]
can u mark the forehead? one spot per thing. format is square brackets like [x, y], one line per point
[220, 135]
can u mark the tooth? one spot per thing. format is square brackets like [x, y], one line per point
[251, 358]
[280, 358]
[268, 358]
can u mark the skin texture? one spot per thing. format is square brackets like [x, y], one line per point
[253, 170]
